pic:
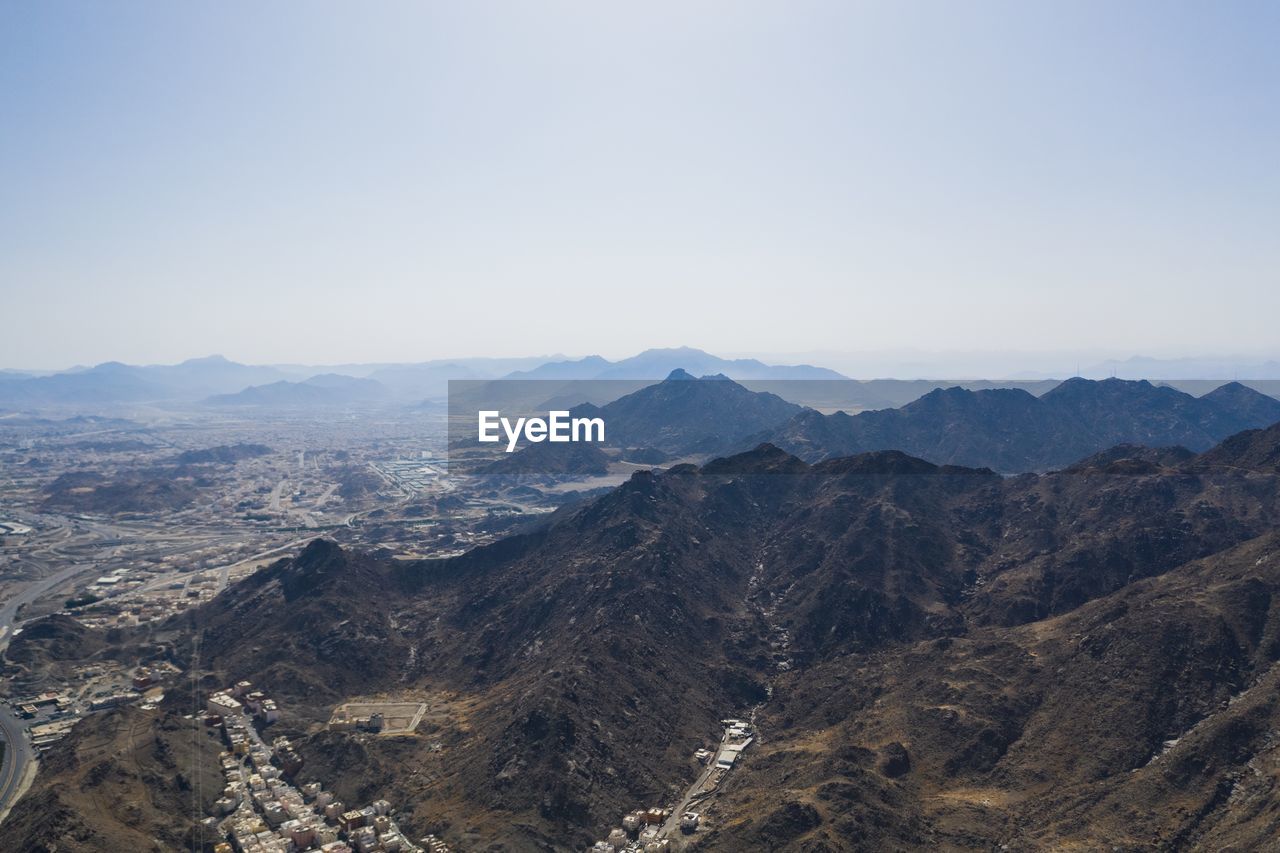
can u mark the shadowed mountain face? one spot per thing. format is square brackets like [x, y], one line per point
[1005, 429]
[679, 416]
[548, 463]
[684, 415]
[1010, 430]
[942, 658]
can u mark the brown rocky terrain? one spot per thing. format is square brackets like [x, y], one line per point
[134, 492]
[122, 780]
[942, 658]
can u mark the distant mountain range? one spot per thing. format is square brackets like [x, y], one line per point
[329, 389]
[217, 379]
[114, 382]
[195, 380]
[655, 363]
[200, 378]
[1142, 367]
[1006, 430]
[1010, 430]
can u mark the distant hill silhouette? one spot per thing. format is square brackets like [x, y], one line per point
[653, 363]
[329, 389]
[113, 382]
[1011, 430]
[224, 454]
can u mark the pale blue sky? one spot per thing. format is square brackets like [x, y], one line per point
[339, 182]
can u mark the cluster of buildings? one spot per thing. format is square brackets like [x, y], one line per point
[262, 811]
[242, 700]
[48, 702]
[411, 475]
[647, 830]
[115, 601]
[147, 680]
[344, 722]
[737, 737]
[49, 715]
[114, 700]
[640, 833]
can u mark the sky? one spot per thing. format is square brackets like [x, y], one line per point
[338, 182]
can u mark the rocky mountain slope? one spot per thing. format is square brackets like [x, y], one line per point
[679, 416]
[683, 414]
[122, 780]
[941, 658]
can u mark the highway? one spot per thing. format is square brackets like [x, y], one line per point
[33, 591]
[274, 500]
[224, 574]
[18, 752]
[18, 755]
[67, 547]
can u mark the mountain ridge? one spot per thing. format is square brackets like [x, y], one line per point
[653, 363]
[1013, 431]
[952, 594]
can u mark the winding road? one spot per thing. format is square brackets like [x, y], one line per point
[18, 753]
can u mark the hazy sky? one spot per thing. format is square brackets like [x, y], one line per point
[379, 181]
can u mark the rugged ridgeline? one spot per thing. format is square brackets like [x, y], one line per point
[681, 416]
[1007, 430]
[1011, 431]
[957, 660]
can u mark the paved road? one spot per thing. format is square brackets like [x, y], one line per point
[18, 754]
[671, 829]
[224, 574]
[33, 591]
[273, 503]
